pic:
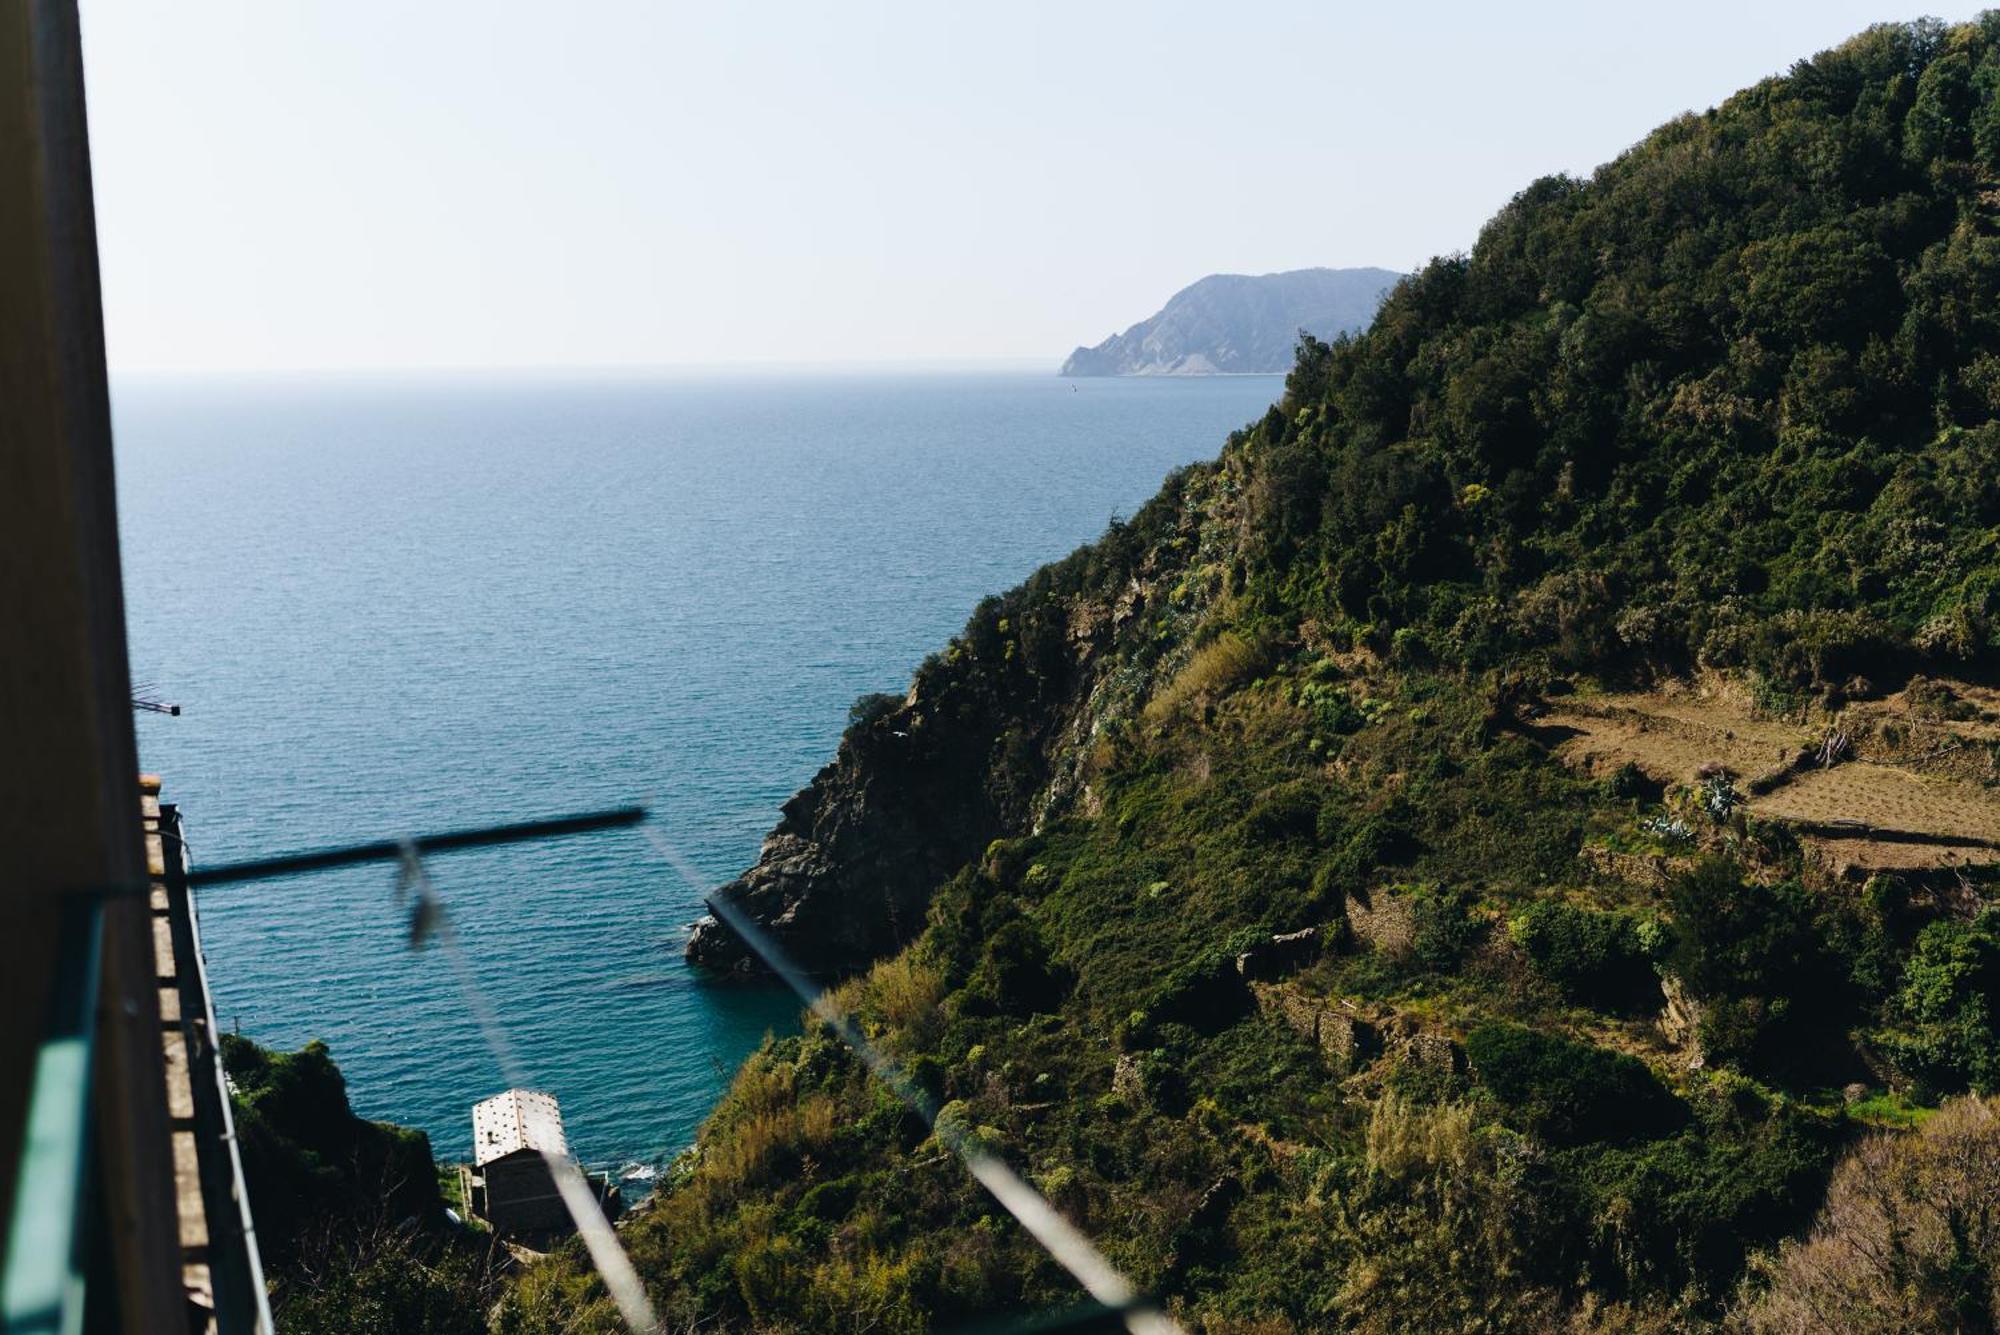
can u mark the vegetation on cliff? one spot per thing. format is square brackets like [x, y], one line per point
[1559, 1048]
[350, 1222]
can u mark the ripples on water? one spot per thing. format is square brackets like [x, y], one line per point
[397, 605]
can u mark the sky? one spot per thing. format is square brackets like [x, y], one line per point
[354, 185]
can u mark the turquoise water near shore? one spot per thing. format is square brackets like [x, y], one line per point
[391, 605]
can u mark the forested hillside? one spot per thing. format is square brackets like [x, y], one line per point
[1365, 913]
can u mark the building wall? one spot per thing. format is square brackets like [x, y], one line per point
[521, 1195]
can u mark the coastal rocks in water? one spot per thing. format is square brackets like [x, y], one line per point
[1237, 324]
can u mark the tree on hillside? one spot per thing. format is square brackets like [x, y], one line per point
[1909, 1237]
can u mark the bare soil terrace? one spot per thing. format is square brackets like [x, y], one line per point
[1914, 782]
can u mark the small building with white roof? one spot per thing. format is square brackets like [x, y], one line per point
[512, 1187]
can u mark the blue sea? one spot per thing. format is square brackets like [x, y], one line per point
[394, 605]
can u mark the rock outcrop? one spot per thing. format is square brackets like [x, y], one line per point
[1351, 1035]
[1345, 1038]
[1680, 1021]
[847, 873]
[993, 738]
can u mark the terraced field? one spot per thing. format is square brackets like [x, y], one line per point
[1913, 787]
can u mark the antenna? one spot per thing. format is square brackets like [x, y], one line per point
[143, 701]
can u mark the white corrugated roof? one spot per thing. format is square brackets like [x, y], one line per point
[520, 1119]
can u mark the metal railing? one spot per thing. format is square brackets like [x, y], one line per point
[236, 1270]
[52, 1274]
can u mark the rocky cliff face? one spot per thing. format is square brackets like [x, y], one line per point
[847, 873]
[1238, 324]
[993, 739]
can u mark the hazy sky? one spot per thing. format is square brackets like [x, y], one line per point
[333, 185]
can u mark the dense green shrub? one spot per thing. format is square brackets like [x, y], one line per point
[1015, 975]
[1632, 404]
[1381, 840]
[1630, 783]
[1288, 811]
[1569, 1092]
[1950, 991]
[308, 1159]
[1332, 707]
[350, 1222]
[1753, 954]
[1598, 959]
[1205, 993]
[1445, 925]
[1686, 1209]
[868, 710]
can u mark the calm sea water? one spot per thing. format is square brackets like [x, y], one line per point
[390, 606]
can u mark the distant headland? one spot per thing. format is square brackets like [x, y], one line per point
[1239, 324]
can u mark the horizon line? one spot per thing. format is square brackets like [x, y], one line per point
[636, 368]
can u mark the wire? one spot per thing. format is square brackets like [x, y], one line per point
[1113, 1294]
[1069, 1248]
[428, 918]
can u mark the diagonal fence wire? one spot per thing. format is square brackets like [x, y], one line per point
[1063, 1241]
[429, 919]
[1114, 1296]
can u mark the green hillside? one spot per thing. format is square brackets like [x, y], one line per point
[1570, 1045]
